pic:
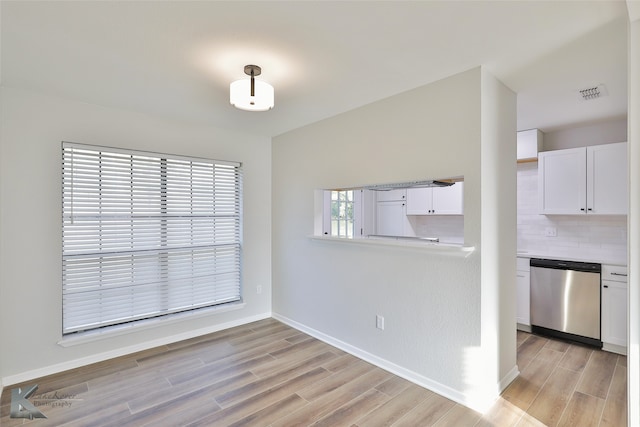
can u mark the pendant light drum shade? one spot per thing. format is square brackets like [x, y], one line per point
[251, 94]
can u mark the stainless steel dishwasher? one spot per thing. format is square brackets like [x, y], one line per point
[565, 300]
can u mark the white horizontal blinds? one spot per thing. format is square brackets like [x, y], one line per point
[146, 235]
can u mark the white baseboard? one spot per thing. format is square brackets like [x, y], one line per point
[523, 327]
[508, 379]
[414, 377]
[613, 348]
[100, 357]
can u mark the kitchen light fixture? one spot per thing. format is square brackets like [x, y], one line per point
[251, 94]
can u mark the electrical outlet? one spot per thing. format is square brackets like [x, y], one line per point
[259, 289]
[551, 232]
[380, 322]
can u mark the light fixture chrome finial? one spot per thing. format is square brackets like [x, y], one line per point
[252, 94]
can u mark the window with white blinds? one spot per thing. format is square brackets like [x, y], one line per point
[146, 235]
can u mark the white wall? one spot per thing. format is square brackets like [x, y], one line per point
[586, 134]
[1, 298]
[431, 303]
[633, 355]
[33, 126]
[498, 226]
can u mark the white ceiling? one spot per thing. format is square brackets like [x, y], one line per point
[177, 58]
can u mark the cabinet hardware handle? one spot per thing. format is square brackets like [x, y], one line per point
[605, 286]
[520, 275]
[589, 209]
[619, 274]
[582, 209]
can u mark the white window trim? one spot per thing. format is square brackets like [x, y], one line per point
[156, 196]
[71, 340]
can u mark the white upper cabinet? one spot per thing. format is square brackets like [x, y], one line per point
[529, 143]
[607, 179]
[419, 201]
[436, 200]
[562, 184]
[585, 180]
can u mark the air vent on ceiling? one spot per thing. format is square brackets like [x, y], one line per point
[594, 92]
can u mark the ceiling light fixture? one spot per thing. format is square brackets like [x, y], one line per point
[251, 94]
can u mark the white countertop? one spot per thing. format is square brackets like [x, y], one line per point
[420, 244]
[600, 260]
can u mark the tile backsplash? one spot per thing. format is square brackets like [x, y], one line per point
[597, 238]
[448, 228]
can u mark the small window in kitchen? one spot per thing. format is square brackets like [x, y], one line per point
[342, 213]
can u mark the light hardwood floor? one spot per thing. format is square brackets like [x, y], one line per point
[268, 374]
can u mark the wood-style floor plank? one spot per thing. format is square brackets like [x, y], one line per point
[280, 376]
[351, 411]
[268, 374]
[335, 381]
[554, 396]
[325, 403]
[598, 374]
[615, 407]
[395, 408]
[576, 358]
[528, 350]
[458, 416]
[583, 410]
[502, 413]
[428, 412]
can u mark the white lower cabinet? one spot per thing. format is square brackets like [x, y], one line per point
[522, 292]
[614, 308]
[391, 219]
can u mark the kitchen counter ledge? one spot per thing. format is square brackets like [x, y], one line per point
[617, 261]
[418, 244]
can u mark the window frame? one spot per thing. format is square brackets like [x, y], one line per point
[357, 202]
[188, 243]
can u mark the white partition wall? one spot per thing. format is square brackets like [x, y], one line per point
[443, 314]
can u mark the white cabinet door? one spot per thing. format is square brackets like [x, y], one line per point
[529, 143]
[522, 292]
[448, 200]
[614, 313]
[391, 218]
[436, 200]
[419, 201]
[614, 307]
[607, 179]
[586, 180]
[562, 181]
